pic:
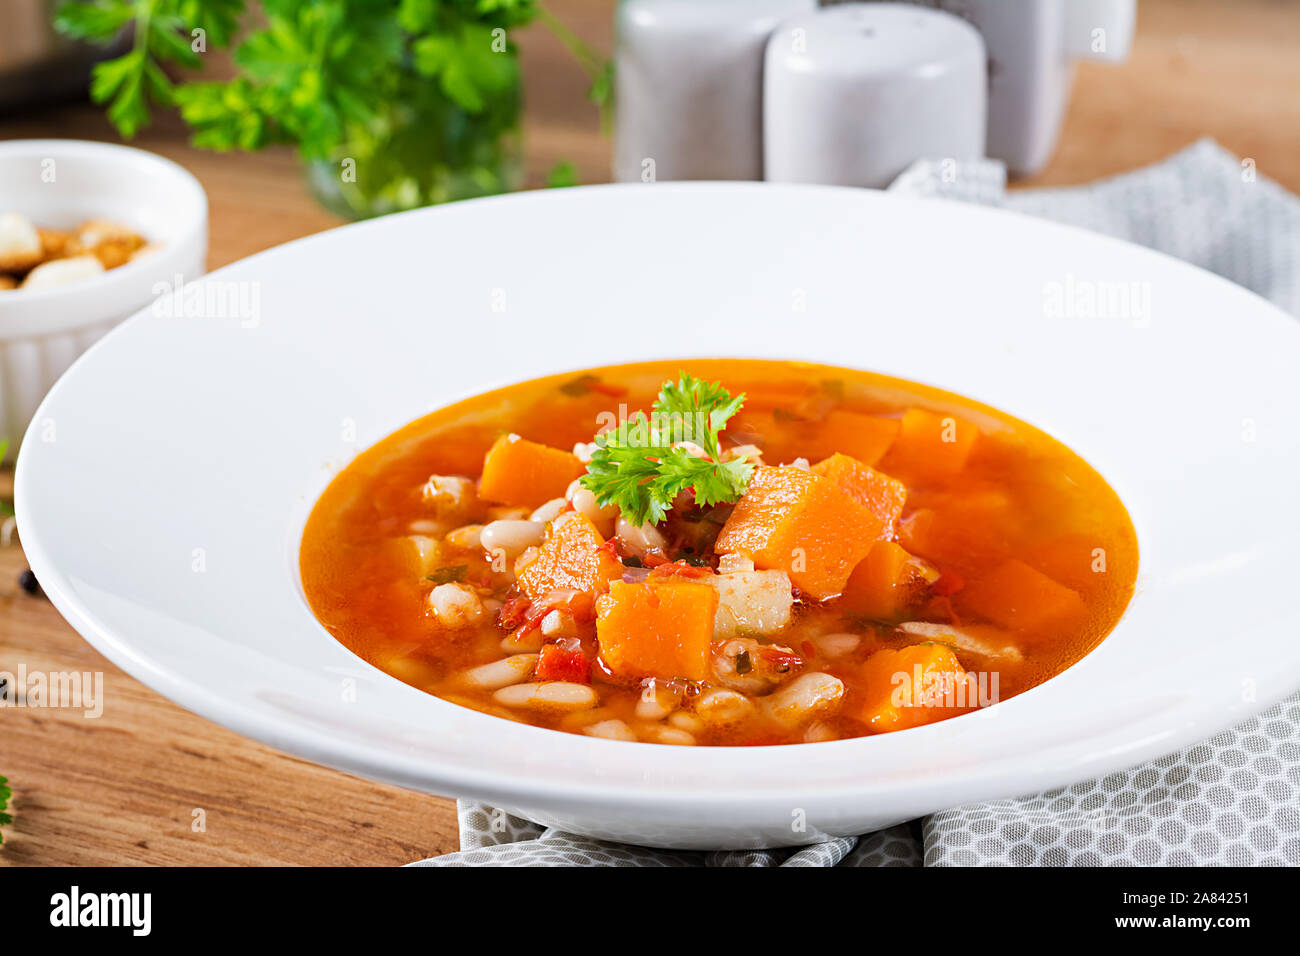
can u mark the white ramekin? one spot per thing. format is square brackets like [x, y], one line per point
[58, 183]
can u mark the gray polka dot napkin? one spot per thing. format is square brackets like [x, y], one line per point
[1232, 800]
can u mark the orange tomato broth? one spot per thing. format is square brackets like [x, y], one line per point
[1022, 499]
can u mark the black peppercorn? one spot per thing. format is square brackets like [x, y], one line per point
[27, 581]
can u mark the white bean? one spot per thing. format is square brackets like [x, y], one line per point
[516, 642]
[554, 695]
[684, 721]
[511, 537]
[448, 495]
[752, 452]
[805, 697]
[466, 538]
[638, 539]
[658, 733]
[819, 732]
[719, 707]
[610, 730]
[836, 645]
[657, 701]
[974, 639]
[427, 526]
[502, 673]
[549, 511]
[455, 604]
[584, 501]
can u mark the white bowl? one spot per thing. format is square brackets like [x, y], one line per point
[57, 183]
[164, 522]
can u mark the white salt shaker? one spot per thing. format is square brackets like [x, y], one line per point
[1032, 46]
[854, 93]
[689, 87]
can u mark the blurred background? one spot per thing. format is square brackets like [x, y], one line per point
[1227, 69]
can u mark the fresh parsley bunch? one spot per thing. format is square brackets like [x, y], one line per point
[421, 94]
[5, 794]
[640, 466]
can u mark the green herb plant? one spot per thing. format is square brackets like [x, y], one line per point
[5, 794]
[641, 465]
[400, 102]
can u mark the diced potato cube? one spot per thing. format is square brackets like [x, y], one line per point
[751, 602]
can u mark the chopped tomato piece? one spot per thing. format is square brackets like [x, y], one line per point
[558, 662]
[681, 569]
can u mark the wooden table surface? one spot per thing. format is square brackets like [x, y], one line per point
[124, 788]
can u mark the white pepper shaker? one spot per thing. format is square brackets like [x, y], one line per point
[854, 93]
[689, 87]
[1032, 46]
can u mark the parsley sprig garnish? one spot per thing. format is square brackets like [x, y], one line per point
[636, 466]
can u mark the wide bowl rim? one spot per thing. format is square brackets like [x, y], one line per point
[1072, 761]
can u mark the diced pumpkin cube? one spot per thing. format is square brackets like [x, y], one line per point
[1017, 596]
[520, 472]
[1076, 560]
[660, 628]
[880, 494]
[930, 446]
[751, 602]
[886, 582]
[571, 558]
[910, 687]
[801, 523]
[865, 437]
[957, 539]
[918, 532]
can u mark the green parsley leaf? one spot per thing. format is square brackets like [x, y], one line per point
[636, 466]
[454, 572]
[562, 175]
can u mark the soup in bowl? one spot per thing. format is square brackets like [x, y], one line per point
[727, 552]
